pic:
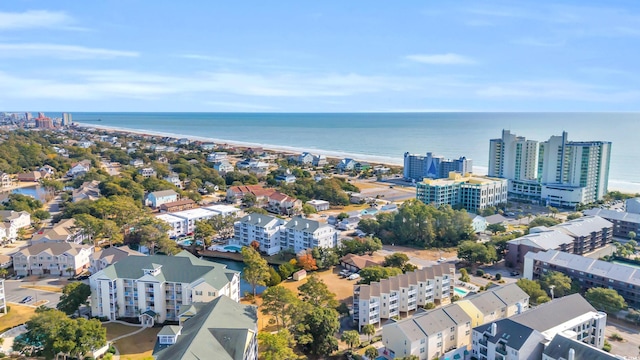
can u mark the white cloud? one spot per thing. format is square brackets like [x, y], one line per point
[34, 19]
[440, 59]
[239, 106]
[558, 90]
[208, 58]
[60, 51]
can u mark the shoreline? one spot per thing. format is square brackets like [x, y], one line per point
[614, 185]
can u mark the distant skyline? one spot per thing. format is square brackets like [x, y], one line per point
[329, 56]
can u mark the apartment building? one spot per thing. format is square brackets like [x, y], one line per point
[513, 157]
[184, 222]
[588, 272]
[222, 327]
[524, 336]
[154, 287]
[109, 256]
[16, 219]
[578, 236]
[418, 167]
[52, 258]
[470, 192]
[402, 294]
[564, 346]
[264, 229]
[623, 222]
[63, 231]
[446, 332]
[275, 235]
[3, 300]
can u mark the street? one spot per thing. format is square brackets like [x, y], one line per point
[14, 293]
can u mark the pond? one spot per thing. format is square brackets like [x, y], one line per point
[36, 191]
[238, 266]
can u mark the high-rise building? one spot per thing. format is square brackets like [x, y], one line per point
[67, 120]
[418, 167]
[556, 172]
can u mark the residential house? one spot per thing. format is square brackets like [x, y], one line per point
[16, 219]
[179, 205]
[346, 165]
[223, 167]
[403, 293]
[305, 158]
[47, 169]
[236, 193]
[355, 263]
[183, 141]
[30, 176]
[478, 223]
[319, 205]
[361, 166]
[280, 203]
[109, 256]
[286, 179]
[217, 157]
[319, 160]
[586, 271]
[174, 179]
[148, 172]
[136, 162]
[222, 327]
[5, 261]
[59, 258]
[623, 222]
[89, 190]
[350, 223]
[80, 168]
[496, 219]
[381, 170]
[85, 144]
[207, 146]
[264, 229]
[157, 198]
[64, 231]
[6, 180]
[154, 288]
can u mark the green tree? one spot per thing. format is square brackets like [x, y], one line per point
[573, 216]
[604, 299]
[249, 200]
[256, 271]
[276, 301]
[532, 288]
[88, 225]
[317, 293]
[308, 209]
[496, 228]
[274, 277]
[4, 272]
[371, 352]
[464, 275]
[351, 338]
[256, 210]
[376, 273]
[277, 346]
[369, 330]
[204, 231]
[73, 295]
[396, 260]
[316, 331]
[561, 283]
[632, 235]
[342, 216]
[325, 257]
[543, 221]
[474, 252]
[286, 270]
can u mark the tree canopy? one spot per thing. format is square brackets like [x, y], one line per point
[475, 252]
[604, 299]
[73, 295]
[376, 273]
[256, 271]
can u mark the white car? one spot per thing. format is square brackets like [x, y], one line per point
[354, 276]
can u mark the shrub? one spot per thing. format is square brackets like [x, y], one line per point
[376, 339]
[479, 272]
[616, 337]
[607, 346]
[429, 306]
[498, 276]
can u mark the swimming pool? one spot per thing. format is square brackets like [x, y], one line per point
[460, 291]
[189, 242]
[233, 248]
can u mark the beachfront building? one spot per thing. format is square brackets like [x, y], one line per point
[587, 272]
[222, 327]
[578, 236]
[418, 167]
[223, 166]
[623, 222]
[319, 205]
[300, 234]
[525, 336]
[109, 256]
[217, 157]
[154, 288]
[470, 192]
[157, 198]
[346, 164]
[446, 332]
[52, 258]
[402, 294]
[264, 229]
[554, 172]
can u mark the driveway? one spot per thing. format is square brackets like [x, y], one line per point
[628, 347]
[14, 293]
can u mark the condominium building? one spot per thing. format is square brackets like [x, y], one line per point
[222, 327]
[578, 236]
[469, 192]
[264, 229]
[52, 258]
[556, 172]
[275, 235]
[524, 336]
[109, 256]
[446, 332]
[64, 231]
[623, 222]
[184, 222]
[154, 287]
[565, 346]
[418, 167]
[3, 300]
[588, 272]
[402, 294]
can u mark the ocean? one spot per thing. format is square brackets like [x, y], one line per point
[384, 137]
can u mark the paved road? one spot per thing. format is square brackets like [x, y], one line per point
[628, 347]
[14, 293]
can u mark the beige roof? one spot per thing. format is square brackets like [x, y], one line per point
[61, 231]
[114, 254]
[53, 249]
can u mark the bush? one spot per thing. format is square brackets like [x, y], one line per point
[429, 306]
[498, 276]
[607, 346]
[376, 339]
[112, 349]
[616, 337]
[479, 272]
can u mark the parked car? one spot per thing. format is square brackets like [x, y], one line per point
[354, 276]
[515, 273]
[26, 300]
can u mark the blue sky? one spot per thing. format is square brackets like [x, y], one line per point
[326, 56]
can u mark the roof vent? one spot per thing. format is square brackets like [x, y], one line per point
[259, 220]
[572, 354]
[307, 225]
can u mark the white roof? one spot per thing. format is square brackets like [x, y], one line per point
[317, 202]
[194, 213]
[169, 218]
[584, 226]
[222, 209]
[545, 240]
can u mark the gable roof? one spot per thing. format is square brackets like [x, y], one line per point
[222, 327]
[614, 215]
[114, 254]
[584, 226]
[554, 313]
[162, 193]
[545, 240]
[560, 345]
[61, 231]
[53, 249]
[495, 219]
[513, 334]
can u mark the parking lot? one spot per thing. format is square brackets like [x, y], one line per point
[14, 293]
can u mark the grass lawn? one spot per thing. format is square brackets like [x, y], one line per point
[139, 346]
[114, 330]
[43, 288]
[18, 315]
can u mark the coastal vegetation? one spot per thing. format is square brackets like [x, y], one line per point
[334, 190]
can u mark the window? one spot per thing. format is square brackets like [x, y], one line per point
[198, 292]
[453, 328]
[211, 293]
[452, 337]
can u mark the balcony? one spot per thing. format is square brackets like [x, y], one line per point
[501, 350]
[483, 342]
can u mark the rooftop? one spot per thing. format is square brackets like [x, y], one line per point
[560, 345]
[554, 313]
[614, 215]
[584, 226]
[545, 240]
